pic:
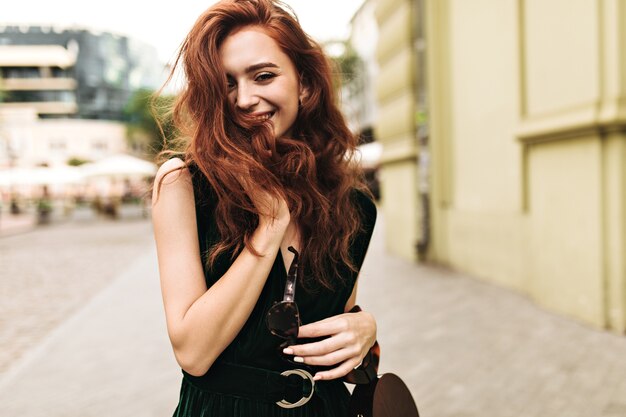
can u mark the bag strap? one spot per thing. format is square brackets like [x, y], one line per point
[368, 370]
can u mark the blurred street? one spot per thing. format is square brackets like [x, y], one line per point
[82, 333]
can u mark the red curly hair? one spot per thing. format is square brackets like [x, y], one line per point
[313, 169]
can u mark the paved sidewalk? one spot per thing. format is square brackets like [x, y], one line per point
[470, 349]
[112, 358]
[49, 273]
[465, 348]
[16, 223]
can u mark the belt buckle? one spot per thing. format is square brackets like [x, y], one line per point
[305, 375]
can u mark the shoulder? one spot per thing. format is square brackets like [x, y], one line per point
[186, 179]
[173, 177]
[171, 169]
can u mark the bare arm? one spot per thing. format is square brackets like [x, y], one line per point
[202, 322]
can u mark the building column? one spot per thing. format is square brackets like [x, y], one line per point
[396, 126]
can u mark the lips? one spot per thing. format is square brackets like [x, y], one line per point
[261, 117]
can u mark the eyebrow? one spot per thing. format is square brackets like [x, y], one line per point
[258, 66]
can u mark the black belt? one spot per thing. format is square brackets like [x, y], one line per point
[289, 389]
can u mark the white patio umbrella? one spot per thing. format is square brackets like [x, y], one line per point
[18, 176]
[119, 166]
[6, 177]
[15, 176]
[59, 175]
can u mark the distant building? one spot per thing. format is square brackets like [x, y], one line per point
[31, 141]
[359, 96]
[358, 92]
[106, 69]
[66, 75]
[39, 77]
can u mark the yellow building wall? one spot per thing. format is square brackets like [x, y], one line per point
[528, 124]
[565, 202]
[395, 127]
[477, 181]
[614, 227]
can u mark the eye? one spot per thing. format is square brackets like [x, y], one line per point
[230, 83]
[264, 76]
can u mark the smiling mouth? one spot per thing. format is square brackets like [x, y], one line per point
[263, 117]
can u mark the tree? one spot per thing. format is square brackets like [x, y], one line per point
[141, 113]
[2, 92]
[348, 63]
[76, 161]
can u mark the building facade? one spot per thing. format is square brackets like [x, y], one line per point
[53, 142]
[63, 93]
[39, 77]
[359, 96]
[396, 126]
[526, 117]
[107, 67]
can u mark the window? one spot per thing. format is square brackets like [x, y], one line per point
[100, 145]
[57, 145]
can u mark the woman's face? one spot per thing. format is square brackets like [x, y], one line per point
[262, 80]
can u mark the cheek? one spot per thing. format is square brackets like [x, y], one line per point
[289, 94]
[293, 103]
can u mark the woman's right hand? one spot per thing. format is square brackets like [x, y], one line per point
[273, 209]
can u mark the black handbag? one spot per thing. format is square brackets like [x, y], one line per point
[378, 396]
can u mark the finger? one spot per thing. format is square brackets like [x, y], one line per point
[326, 327]
[318, 348]
[338, 372]
[332, 358]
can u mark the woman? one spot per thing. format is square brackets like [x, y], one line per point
[266, 173]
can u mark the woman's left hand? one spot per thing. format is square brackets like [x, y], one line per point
[349, 337]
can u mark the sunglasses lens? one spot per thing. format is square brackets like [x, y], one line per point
[283, 320]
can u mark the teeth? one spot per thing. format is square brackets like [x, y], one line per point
[264, 117]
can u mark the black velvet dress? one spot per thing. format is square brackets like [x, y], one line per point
[255, 346]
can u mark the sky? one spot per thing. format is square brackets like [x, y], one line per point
[165, 24]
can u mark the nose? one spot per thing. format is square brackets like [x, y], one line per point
[246, 98]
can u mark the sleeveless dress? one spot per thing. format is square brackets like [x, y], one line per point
[255, 346]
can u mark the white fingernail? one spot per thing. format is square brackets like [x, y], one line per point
[288, 351]
[298, 359]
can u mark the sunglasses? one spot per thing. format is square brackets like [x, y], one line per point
[283, 318]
